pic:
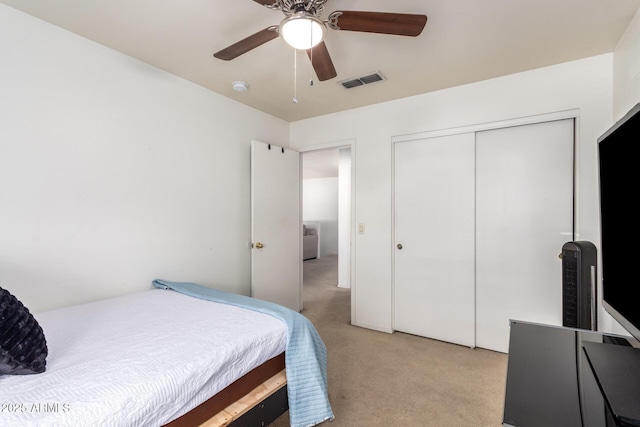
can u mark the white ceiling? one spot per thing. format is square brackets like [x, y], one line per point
[464, 41]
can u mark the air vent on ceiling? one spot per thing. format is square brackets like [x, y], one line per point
[362, 80]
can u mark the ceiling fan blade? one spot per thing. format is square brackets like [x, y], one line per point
[401, 24]
[321, 62]
[245, 45]
[265, 2]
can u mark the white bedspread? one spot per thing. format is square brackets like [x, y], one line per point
[138, 360]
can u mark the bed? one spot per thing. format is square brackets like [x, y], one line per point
[180, 354]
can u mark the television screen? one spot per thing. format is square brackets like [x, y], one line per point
[619, 177]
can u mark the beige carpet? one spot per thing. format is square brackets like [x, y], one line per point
[380, 379]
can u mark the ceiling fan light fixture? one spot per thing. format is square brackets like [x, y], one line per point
[302, 30]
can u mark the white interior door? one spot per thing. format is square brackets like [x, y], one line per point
[434, 238]
[524, 214]
[276, 256]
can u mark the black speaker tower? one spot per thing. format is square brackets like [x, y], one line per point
[579, 279]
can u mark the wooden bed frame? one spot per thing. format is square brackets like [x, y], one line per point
[261, 395]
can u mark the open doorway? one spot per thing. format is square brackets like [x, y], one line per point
[326, 214]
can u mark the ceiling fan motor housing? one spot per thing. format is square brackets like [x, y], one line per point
[290, 7]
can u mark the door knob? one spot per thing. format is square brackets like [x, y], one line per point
[399, 245]
[259, 245]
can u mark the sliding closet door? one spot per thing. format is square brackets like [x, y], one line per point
[434, 238]
[524, 214]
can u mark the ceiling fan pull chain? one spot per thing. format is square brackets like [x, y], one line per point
[295, 74]
[311, 70]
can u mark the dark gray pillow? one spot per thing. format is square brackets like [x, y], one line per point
[23, 347]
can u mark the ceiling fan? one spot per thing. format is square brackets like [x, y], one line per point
[302, 28]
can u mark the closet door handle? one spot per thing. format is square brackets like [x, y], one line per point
[259, 245]
[399, 246]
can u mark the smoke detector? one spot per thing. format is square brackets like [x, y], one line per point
[239, 86]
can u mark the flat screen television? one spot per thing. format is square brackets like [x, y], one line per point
[619, 173]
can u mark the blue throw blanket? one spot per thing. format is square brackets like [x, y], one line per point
[305, 354]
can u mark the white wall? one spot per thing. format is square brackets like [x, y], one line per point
[114, 173]
[626, 70]
[344, 217]
[585, 85]
[320, 203]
